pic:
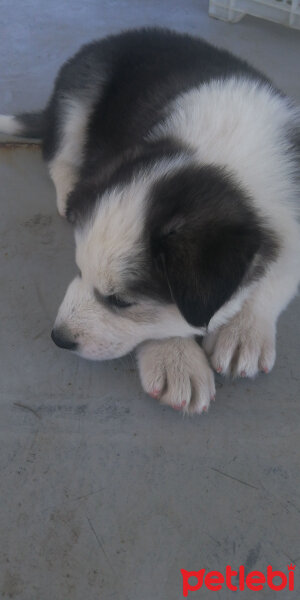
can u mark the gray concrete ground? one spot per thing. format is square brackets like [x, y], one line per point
[105, 494]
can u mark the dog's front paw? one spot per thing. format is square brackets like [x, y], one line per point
[176, 372]
[242, 347]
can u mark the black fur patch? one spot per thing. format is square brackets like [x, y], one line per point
[202, 238]
[34, 124]
[82, 199]
[130, 80]
[145, 70]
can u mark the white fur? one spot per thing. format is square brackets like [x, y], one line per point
[245, 345]
[109, 247]
[10, 125]
[102, 333]
[235, 124]
[176, 373]
[240, 124]
[63, 168]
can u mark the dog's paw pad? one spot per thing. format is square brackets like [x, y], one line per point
[155, 394]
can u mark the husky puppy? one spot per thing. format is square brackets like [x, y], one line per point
[176, 162]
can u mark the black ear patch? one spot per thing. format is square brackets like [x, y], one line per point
[205, 236]
[203, 271]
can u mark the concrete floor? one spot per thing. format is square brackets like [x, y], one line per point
[105, 494]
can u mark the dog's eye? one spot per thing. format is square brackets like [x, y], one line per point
[115, 300]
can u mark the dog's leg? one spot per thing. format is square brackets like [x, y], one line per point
[64, 176]
[247, 343]
[65, 164]
[176, 372]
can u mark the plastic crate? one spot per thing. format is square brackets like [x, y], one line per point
[286, 12]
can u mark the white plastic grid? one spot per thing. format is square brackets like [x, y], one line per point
[286, 12]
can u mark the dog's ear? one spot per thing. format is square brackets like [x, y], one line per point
[205, 236]
[203, 270]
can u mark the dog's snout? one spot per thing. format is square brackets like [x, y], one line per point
[63, 339]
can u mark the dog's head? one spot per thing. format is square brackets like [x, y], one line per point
[169, 252]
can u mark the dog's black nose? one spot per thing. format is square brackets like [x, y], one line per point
[62, 338]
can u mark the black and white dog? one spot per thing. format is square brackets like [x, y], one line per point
[177, 164]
